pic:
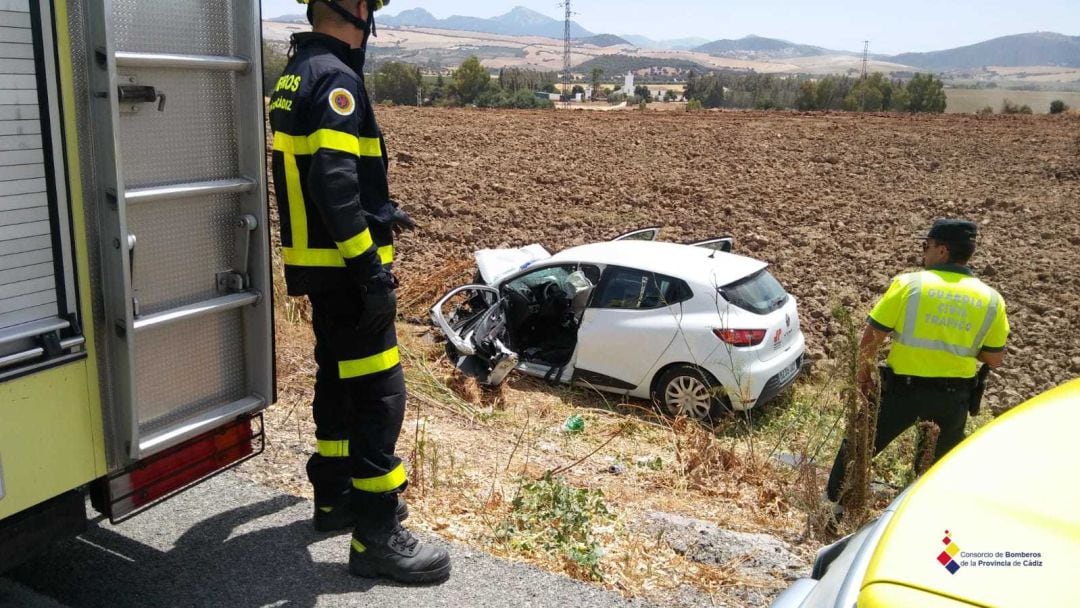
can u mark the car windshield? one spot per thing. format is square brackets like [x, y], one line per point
[758, 293]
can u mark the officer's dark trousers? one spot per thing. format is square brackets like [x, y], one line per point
[359, 404]
[901, 407]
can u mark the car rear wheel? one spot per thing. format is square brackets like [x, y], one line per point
[684, 390]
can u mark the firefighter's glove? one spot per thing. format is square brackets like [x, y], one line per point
[382, 283]
[400, 221]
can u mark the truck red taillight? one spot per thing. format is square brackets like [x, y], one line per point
[165, 473]
[740, 337]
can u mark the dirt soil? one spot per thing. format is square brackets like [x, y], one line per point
[833, 201]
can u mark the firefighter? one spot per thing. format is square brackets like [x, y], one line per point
[337, 225]
[942, 322]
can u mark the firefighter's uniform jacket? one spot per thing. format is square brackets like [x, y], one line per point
[329, 168]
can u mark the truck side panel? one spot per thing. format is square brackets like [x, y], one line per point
[46, 445]
[51, 437]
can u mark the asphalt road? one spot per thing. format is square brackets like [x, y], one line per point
[230, 543]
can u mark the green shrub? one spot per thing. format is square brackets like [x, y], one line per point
[986, 111]
[550, 516]
[1057, 106]
[694, 105]
[1008, 107]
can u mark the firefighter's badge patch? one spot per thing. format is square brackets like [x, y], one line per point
[342, 102]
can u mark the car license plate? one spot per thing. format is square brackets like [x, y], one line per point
[788, 372]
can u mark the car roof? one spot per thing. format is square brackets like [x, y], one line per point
[698, 264]
[1010, 487]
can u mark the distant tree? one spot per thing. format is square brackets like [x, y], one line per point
[470, 80]
[925, 94]
[596, 75]
[396, 82]
[549, 88]
[671, 95]
[437, 95]
[826, 93]
[986, 111]
[1057, 106]
[807, 98]
[577, 89]
[643, 93]
[691, 89]
[870, 94]
[707, 89]
[517, 79]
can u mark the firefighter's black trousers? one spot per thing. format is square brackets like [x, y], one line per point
[359, 403]
[902, 405]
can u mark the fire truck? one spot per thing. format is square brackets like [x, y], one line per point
[136, 341]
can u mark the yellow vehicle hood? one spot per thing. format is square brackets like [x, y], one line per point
[1004, 507]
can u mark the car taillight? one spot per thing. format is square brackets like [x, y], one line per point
[740, 337]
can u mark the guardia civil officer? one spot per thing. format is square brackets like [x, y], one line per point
[941, 322]
[337, 224]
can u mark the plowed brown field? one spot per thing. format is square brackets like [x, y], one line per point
[834, 202]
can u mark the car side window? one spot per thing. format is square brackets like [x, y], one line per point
[628, 288]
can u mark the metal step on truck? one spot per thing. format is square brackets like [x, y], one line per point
[136, 343]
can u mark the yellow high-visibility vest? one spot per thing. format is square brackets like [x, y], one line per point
[940, 319]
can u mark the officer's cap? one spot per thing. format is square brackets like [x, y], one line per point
[953, 231]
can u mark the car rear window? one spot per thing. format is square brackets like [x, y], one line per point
[758, 293]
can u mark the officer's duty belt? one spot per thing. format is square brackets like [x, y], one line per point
[942, 384]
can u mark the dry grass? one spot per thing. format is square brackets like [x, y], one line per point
[416, 296]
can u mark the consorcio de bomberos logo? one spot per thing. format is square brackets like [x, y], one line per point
[946, 557]
[952, 558]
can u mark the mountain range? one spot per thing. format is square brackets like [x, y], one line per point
[1039, 48]
[518, 22]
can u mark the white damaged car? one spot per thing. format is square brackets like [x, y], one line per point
[692, 327]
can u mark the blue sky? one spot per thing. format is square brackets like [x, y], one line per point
[890, 26]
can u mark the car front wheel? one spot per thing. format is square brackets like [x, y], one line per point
[684, 390]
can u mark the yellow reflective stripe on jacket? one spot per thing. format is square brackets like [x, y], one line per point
[383, 483]
[319, 258]
[356, 245]
[297, 214]
[358, 546]
[374, 364]
[386, 254]
[338, 448]
[327, 139]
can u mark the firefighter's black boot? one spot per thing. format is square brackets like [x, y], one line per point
[397, 554]
[341, 515]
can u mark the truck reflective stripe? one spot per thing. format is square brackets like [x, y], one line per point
[386, 254]
[320, 258]
[358, 546]
[383, 483]
[374, 364]
[327, 139]
[333, 448]
[356, 245]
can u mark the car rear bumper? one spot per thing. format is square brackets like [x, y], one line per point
[778, 384]
[761, 381]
